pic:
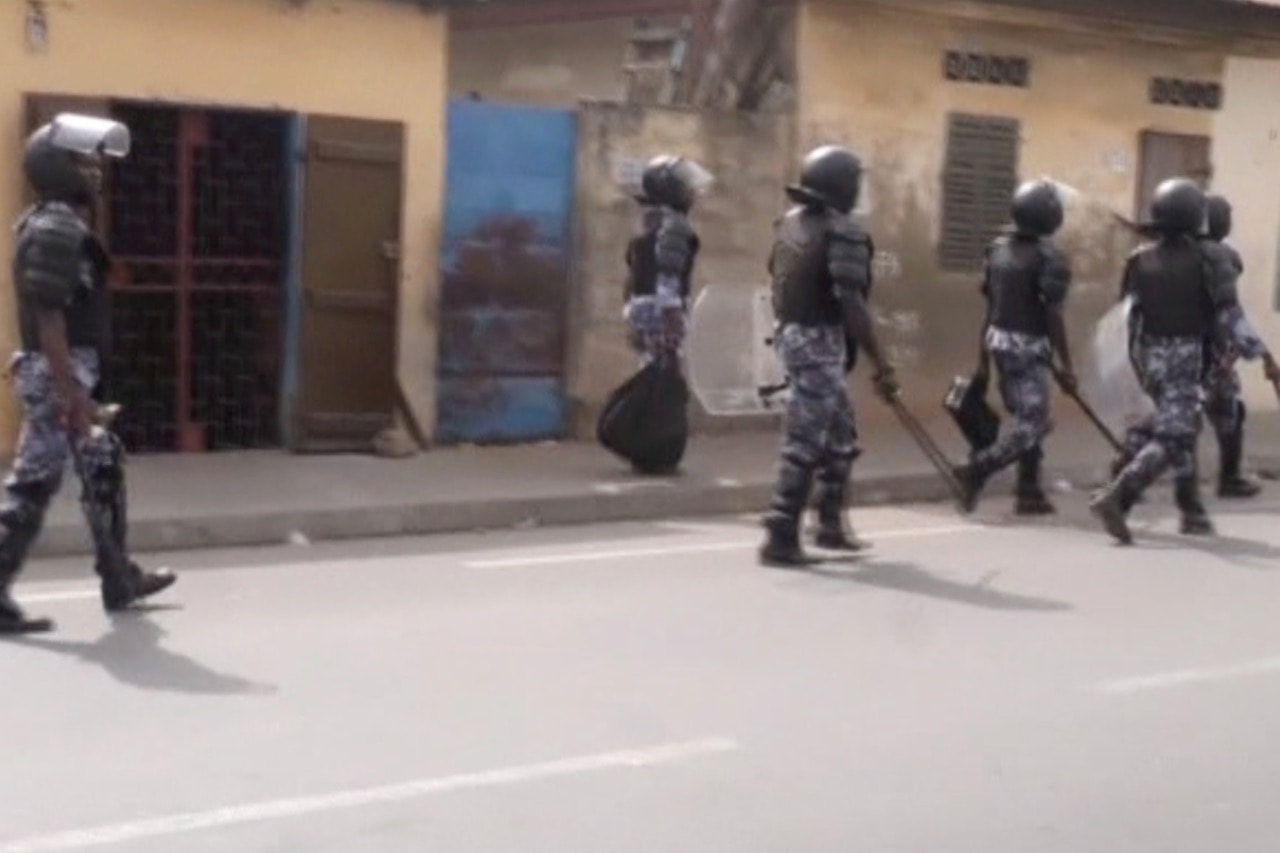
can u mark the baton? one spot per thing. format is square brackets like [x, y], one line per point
[929, 447]
[1089, 413]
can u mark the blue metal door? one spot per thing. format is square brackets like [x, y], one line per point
[504, 258]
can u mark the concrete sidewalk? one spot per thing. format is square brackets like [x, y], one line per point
[258, 498]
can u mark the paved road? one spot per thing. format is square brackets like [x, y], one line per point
[990, 687]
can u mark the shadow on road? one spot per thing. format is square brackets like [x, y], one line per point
[132, 653]
[910, 578]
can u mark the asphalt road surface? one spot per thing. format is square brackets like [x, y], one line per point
[971, 685]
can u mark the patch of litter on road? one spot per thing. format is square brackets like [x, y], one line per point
[297, 537]
[1063, 485]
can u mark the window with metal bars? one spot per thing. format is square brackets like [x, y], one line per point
[978, 179]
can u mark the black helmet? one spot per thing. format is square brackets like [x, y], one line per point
[1178, 207]
[1037, 208]
[63, 157]
[672, 182]
[831, 176]
[1218, 216]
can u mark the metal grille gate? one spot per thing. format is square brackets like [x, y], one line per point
[198, 225]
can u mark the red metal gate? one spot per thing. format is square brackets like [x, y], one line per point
[198, 224]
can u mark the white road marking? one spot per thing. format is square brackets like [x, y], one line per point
[586, 556]
[103, 836]
[592, 554]
[619, 488]
[1178, 678]
[50, 597]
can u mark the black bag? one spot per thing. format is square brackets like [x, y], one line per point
[966, 400]
[646, 420]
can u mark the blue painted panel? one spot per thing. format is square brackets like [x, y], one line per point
[505, 251]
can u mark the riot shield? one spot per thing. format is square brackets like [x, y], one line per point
[732, 367]
[1112, 384]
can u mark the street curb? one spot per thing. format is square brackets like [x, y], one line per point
[69, 539]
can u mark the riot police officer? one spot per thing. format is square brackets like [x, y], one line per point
[1025, 282]
[59, 270]
[820, 265]
[660, 258]
[1181, 287]
[1235, 339]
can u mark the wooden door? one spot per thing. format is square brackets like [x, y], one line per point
[351, 210]
[1168, 155]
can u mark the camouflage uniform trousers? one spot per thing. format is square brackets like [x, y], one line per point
[44, 448]
[1221, 390]
[820, 437]
[656, 326]
[1023, 367]
[1171, 373]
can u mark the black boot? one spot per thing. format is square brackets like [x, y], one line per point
[1230, 482]
[1195, 519]
[1031, 499]
[972, 477]
[781, 548]
[13, 620]
[834, 532]
[20, 521]
[123, 589]
[104, 501]
[1111, 505]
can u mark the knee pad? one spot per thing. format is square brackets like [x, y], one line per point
[100, 457]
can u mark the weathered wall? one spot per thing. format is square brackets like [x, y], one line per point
[870, 76]
[751, 156]
[1246, 150]
[553, 65]
[327, 56]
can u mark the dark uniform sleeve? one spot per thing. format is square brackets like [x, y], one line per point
[1225, 264]
[1055, 276]
[1222, 272]
[49, 255]
[849, 254]
[677, 244]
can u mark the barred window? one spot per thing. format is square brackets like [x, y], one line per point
[979, 177]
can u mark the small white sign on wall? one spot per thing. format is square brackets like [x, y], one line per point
[1116, 161]
[627, 171]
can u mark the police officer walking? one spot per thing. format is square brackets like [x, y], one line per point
[1025, 283]
[821, 270]
[1235, 339]
[1182, 288]
[660, 258]
[60, 270]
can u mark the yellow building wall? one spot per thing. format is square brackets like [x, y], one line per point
[871, 77]
[357, 58]
[1246, 149]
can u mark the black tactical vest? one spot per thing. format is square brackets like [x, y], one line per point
[803, 290]
[642, 260]
[87, 317]
[1013, 286]
[1169, 280]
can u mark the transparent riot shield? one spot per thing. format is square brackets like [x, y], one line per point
[732, 367]
[1112, 384]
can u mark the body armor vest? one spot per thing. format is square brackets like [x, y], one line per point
[642, 267]
[1013, 286]
[1170, 283]
[803, 289]
[87, 315]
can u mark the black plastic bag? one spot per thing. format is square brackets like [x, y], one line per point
[646, 419]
